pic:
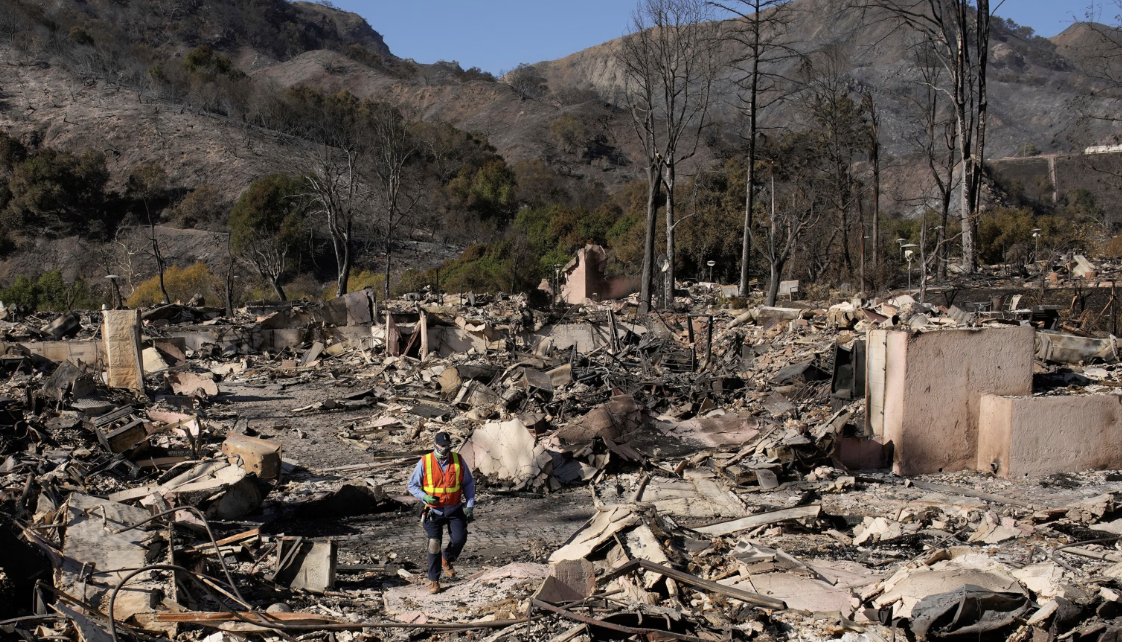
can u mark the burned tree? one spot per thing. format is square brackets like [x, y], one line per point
[760, 29]
[392, 148]
[936, 142]
[670, 62]
[790, 214]
[337, 190]
[147, 182]
[959, 32]
[837, 136]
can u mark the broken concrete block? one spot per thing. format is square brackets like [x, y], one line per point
[414, 604]
[68, 379]
[554, 591]
[173, 348]
[924, 391]
[306, 565]
[192, 385]
[153, 361]
[578, 575]
[64, 326]
[311, 355]
[356, 308]
[120, 333]
[1036, 436]
[257, 456]
[502, 451]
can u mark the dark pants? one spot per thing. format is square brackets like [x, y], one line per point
[434, 525]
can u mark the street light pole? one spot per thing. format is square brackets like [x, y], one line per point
[909, 255]
[711, 264]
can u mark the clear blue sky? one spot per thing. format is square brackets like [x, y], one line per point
[496, 35]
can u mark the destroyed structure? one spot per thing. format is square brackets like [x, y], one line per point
[867, 470]
[586, 279]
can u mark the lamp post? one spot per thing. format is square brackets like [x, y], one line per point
[909, 255]
[1036, 251]
[710, 264]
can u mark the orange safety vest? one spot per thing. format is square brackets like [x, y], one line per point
[445, 484]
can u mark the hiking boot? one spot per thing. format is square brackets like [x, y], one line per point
[448, 570]
[434, 587]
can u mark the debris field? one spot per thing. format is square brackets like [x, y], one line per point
[867, 470]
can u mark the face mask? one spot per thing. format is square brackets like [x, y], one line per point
[443, 451]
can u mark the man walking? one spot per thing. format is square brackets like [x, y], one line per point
[443, 482]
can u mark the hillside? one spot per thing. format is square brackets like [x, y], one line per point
[123, 79]
[1034, 84]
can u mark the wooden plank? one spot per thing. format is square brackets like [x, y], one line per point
[628, 630]
[763, 519]
[696, 582]
[211, 617]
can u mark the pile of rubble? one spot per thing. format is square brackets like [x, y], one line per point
[853, 471]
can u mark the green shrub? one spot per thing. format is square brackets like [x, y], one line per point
[181, 283]
[50, 292]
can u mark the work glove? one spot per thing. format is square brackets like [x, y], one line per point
[469, 512]
[431, 500]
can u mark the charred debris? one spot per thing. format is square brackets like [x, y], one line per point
[863, 470]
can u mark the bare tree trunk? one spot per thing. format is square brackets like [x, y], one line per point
[876, 203]
[160, 265]
[654, 181]
[275, 282]
[386, 288]
[344, 263]
[229, 276]
[966, 157]
[749, 205]
[773, 282]
[753, 124]
[773, 250]
[670, 179]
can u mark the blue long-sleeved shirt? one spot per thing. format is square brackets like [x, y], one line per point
[416, 481]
